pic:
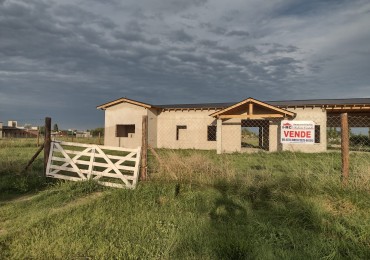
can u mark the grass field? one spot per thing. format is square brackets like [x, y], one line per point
[196, 205]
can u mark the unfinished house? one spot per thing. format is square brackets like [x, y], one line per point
[227, 127]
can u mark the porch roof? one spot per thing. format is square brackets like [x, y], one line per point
[248, 110]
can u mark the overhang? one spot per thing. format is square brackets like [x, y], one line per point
[251, 108]
[121, 100]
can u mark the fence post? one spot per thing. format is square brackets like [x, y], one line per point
[47, 142]
[38, 136]
[345, 147]
[144, 148]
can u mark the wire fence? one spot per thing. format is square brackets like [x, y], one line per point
[248, 144]
[265, 142]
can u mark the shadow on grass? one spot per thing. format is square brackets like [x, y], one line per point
[276, 219]
[16, 183]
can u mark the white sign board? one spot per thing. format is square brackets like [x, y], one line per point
[297, 132]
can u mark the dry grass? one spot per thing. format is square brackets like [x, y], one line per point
[241, 206]
[194, 168]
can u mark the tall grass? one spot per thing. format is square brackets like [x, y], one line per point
[196, 205]
[193, 168]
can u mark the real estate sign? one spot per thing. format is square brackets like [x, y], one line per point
[297, 132]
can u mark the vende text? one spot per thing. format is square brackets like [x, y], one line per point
[299, 134]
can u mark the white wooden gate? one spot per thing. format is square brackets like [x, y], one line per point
[110, 166]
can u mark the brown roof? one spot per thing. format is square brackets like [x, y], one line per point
[121, 100]
[281, 103]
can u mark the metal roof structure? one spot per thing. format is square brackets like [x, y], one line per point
[283, 103]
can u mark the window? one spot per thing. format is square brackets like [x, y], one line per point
[178, 128]
[211, 133]
[125, 130]
[317, 134]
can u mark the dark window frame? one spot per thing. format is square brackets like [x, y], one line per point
[211, 133]
[128, 129]
[317, 134]
[178, 127]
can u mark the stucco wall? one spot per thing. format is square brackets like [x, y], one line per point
[162, 129]
[152, 127]
[274, 136]
[120, 114]
[195, 134]
[231, 135]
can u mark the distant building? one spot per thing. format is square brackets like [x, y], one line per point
[12, 130]
[12, 123]
[83, 134]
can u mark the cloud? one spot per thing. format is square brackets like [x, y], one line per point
[239, 33]
[180, 36]
[74, 55]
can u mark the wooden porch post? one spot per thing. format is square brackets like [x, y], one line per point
[219, 136]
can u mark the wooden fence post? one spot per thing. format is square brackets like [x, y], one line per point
[47, 142]
[144, 149]
[38, 136]
[345, 147]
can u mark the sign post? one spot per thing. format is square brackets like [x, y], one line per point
[297, 132]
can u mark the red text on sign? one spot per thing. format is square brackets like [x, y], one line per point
[299, 134]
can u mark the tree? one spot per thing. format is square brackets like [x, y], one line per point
[96, 131]
[55, 128]
[42, 130]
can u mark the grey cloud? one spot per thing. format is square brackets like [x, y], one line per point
[276, 48]
[180, 36]
[135, 37]
[48, 51]
[302, 7]
[209, 43]
[76, 15]
[238, 33]
[213, 28]
[178, 5]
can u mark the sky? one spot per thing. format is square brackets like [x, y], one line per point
[64, 58]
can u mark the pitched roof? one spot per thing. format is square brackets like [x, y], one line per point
[253, 101]
[121, 100]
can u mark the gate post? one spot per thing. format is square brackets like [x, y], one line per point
[144, 148]
[47, 142]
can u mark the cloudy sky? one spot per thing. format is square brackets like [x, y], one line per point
[63, 58]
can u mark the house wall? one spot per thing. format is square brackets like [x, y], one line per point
[195, 134]
[152, 127]
[231, 135]
[316, 115]
[274, 136]
[162, 130]
[121, 114]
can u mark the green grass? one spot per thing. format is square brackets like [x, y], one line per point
[198, 205]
